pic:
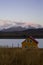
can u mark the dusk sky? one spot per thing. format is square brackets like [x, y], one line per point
[30, 11]
[20, 11]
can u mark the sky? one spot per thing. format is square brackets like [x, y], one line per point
[27, 11]
[30, 11]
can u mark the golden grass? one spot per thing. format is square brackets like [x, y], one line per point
[19, 56]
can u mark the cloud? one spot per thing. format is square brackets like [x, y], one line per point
[6, 23]
[9, 23]
[19, 23]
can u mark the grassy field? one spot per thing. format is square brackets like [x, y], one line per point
[19, 56]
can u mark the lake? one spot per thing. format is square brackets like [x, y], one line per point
[16, 42]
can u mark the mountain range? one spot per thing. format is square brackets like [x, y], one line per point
[20, 28]
[10, 26]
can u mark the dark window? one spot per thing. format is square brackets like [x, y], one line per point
[30, 41]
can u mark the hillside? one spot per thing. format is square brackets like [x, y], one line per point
[36, 33]
[19, 56]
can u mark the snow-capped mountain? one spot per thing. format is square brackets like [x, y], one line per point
[18, 28]
[7, 25]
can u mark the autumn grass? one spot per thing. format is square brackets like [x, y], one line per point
[19, 56]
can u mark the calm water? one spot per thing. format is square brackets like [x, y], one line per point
[15, 42]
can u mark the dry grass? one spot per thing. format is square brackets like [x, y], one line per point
[19, 56]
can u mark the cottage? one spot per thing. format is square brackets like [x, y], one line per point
[30, 42]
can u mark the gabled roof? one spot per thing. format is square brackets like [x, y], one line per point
[32, 39]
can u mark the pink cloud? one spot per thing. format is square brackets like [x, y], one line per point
[9, 23]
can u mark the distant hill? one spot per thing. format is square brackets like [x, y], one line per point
[17, 28]
[21, 28]
[11, 29]
[36, 33]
